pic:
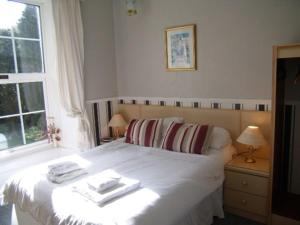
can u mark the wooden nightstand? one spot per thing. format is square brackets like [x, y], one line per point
[246, 189]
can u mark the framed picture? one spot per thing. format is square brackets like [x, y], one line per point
[181, 48]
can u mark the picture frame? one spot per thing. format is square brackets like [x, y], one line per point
[180, 48]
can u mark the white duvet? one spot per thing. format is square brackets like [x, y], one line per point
[172, 184]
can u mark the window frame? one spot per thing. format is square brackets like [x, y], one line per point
[17, 78]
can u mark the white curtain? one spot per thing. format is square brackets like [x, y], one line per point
[70, 54]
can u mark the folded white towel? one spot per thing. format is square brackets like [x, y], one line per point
[104, 180]
[125, 186]
[65, 177]
[62, 168]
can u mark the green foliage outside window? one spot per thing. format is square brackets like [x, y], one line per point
[28, 56]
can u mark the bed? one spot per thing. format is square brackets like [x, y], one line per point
[176, 188]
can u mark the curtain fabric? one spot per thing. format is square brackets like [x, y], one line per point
[70, 55]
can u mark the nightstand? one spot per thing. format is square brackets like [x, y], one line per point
[246, 189]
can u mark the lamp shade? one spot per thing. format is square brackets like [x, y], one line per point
[252, 136]
[117, 121]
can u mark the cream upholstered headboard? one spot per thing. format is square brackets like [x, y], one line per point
[235, 121]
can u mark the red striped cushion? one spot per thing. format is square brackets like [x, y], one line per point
[129, 132]
[144, 132]
[188, 138]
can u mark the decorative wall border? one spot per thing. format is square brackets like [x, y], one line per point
[213, 103]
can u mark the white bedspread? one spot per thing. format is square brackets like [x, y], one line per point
[172, 184]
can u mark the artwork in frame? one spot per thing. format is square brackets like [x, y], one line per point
[181, 48]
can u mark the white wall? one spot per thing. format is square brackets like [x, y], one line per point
[234, 37]
[100, 67]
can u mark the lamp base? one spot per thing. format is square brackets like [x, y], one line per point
[116, 133]
[249, 160]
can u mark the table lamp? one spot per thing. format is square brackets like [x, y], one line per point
[117, 122]
[252, 137]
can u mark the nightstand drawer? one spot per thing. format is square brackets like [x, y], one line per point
[246, 202]
[247, 183]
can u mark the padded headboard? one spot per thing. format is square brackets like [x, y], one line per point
[235, 121]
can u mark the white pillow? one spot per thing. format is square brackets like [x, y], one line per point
[219, 138]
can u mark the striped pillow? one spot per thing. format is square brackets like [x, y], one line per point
[188, 138]
[144, 132]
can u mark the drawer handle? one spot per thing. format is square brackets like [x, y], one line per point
[244, 183]
[244, 202]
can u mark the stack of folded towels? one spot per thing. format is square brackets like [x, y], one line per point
[64, 171]
[105, 186]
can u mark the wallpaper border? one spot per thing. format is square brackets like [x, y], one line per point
[213, 103]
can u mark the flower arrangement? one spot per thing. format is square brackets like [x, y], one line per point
[53, 132]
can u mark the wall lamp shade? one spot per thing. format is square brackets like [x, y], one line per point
[117, 122]
[252, 137]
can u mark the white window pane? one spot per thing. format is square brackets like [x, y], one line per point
[29, 56]
[32, 96]
[7, 23]
[6, 56]
[4, 31]
[35, 127]
[10, 133]
[8, 99]
[23, 18]
[19, 20]
[27, 26]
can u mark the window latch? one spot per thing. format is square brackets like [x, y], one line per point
[3, 77]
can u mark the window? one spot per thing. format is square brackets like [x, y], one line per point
[22, 97]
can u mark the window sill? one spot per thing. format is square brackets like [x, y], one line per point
[24, 150]
[15, 162]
